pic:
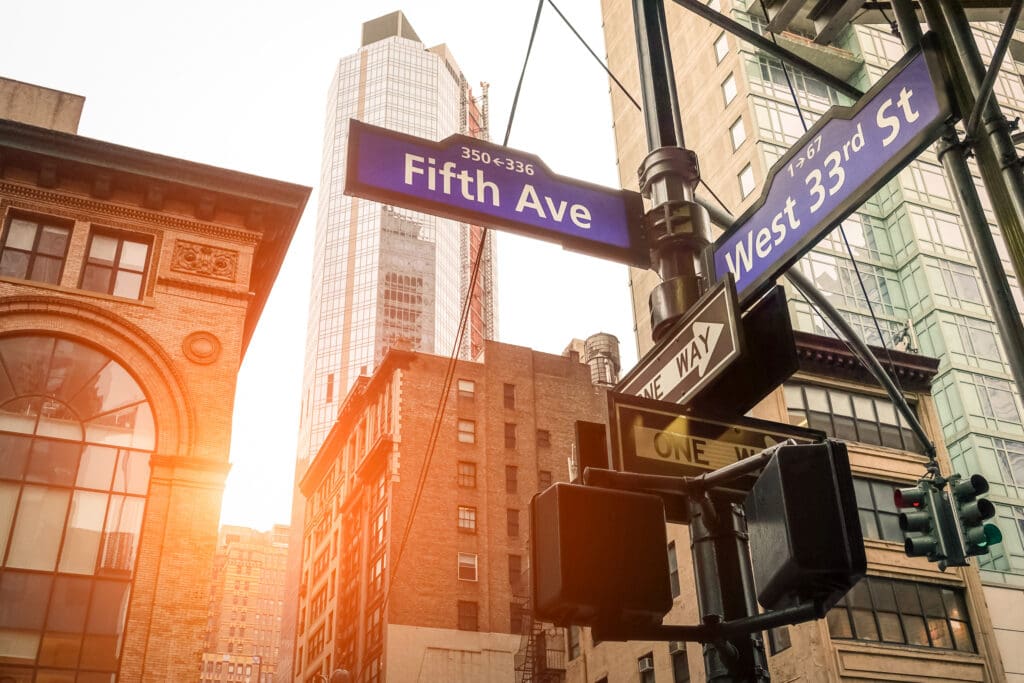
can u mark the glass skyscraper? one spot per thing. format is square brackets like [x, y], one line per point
[384, 276]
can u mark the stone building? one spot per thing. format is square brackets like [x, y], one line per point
[444, 598]
[130, 286]
[243, 629]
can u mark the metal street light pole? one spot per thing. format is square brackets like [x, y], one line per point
[678, 230]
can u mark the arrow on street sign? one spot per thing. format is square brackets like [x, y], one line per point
[474, 181]
[845, 158]
[702, 345]
[655, 437]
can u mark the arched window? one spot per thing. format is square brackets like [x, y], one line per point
[76, 434]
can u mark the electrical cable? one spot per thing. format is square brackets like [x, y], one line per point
[594, 55]
[842, 233]
[453, 358]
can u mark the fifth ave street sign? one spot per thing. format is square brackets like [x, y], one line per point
[477, 182]
[703, 344]
[845, 158]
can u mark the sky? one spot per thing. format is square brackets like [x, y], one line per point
[243, 86]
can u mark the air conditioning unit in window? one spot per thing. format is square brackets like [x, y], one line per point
[646, 664]
[675, 646]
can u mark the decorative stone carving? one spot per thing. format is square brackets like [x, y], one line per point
[201, 347]
[200, 259]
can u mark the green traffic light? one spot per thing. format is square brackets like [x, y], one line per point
[992, 535]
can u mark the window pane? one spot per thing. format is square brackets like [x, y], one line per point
[107, 608]
[72, 367]
[21, 234]
[53, 462]
[864, 624]
[103, 250]
[46, 269]
[58, 421]
[128, 285]
[82, 537]
[917, 632]
[53, 241]
[26, 359]
[15, 455]
[132, 473]
[14, 264]
[112, 388]
[18, 645]
[96, 468]
[121, 535]
[890, 627]
[8, 501]
[962, 636]
[59, 649]
[938, 629]
[23, 599]
[67, 609]
[100, 652]
[96, 278]
[956, 608]
[128, 427]
[839, 623]
[38, 528]
[133, 255]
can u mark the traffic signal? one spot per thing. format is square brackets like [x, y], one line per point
[972, 513]
[598, 556]
[924, 520]
[806, 542]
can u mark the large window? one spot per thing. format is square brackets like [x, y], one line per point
[903, 612]
[467, 519]
[876, 507]
[115, 264]
[468, 620]
[849, 416]
[34, 249]
[76, 433]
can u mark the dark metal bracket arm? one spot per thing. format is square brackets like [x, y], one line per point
[762, 43]
[714, 632]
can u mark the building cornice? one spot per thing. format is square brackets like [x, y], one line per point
[818, 355]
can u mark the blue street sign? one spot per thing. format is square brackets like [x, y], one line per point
[845, 158]
[477, 182]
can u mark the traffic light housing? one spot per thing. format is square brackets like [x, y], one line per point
[598, 556]
[972, 511]
[924, 524]
[806, 541]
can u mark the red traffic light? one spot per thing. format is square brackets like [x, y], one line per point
[908, 498]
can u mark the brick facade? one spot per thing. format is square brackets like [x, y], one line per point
[182, 340]
[360, 492]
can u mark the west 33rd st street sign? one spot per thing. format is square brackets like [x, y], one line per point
[846, 157]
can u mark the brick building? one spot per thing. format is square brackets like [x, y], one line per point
[130, 285]
[246, 603]
[455, 609]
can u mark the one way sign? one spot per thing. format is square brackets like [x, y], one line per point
[701, 345]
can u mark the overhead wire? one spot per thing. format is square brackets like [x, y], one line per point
[453, 358]
[842, 233]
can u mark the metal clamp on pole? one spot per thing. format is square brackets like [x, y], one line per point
[678, 230]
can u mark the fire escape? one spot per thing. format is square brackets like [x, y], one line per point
[541, 654]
